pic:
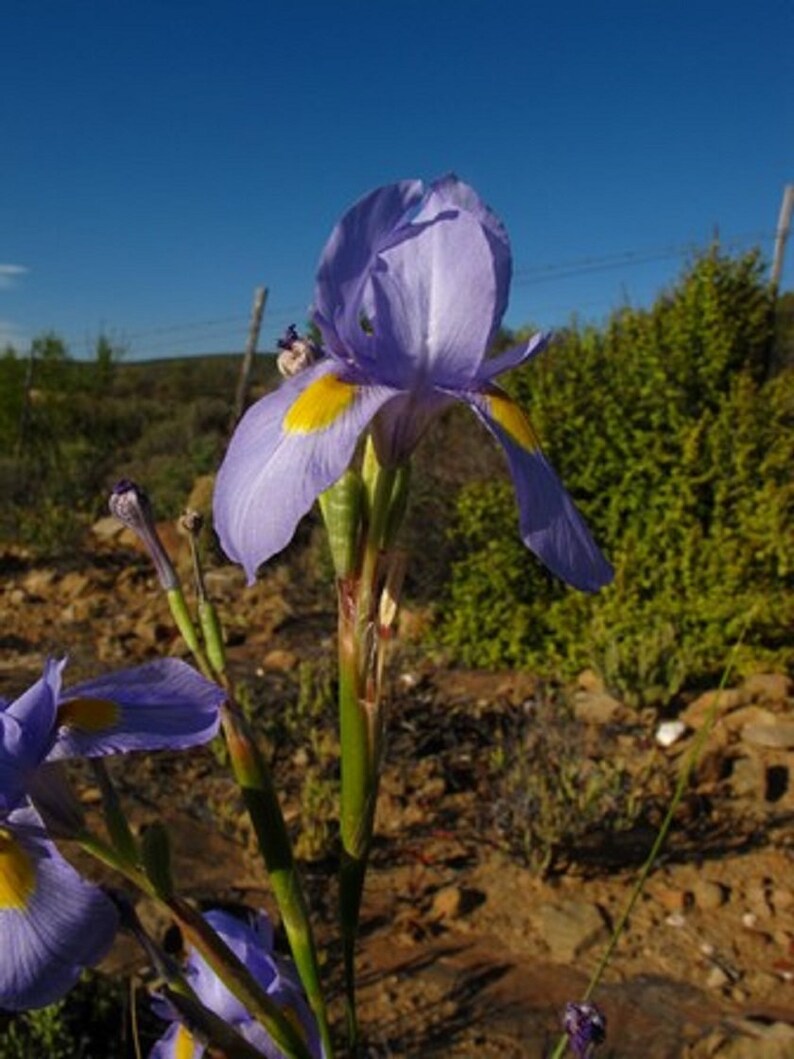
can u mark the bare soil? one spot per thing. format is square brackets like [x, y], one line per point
[465, 950]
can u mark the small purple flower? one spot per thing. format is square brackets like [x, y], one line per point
[586, 1026]
[252, 942]
[52, 922]
[411, 289]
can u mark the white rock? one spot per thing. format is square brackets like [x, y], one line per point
[669, 732]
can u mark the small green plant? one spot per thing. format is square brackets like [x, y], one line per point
[319, 798]
[90, 1022]
[549, 795]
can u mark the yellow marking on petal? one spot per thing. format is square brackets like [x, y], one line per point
[89, 715]
[17, 873]
[513, 421]
[321, 404]
[184, 1044]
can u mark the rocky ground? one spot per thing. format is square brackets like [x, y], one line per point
[468, 948]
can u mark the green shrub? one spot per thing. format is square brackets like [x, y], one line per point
[69, 429]
[678, 448]
[92, 1022]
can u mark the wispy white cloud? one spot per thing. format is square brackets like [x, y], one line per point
[9, 274]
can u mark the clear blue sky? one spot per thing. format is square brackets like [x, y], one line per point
[161, 159]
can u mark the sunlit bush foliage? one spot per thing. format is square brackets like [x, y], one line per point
[674, 435]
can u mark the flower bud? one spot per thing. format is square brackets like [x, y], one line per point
[131, 506]
[341, 508]
[397, 504]
[586, 1026]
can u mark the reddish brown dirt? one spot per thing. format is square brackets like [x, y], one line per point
[465, 951]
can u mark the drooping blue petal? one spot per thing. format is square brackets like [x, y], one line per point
[164, 704]
[549, 522]
[59, 925]
[27, 728]
[288, 448]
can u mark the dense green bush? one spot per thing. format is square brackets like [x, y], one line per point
[677, 444]
[93, 1020]
[69, 429]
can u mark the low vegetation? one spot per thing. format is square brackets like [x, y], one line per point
[672, 427]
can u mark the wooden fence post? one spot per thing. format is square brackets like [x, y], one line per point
[257, 312]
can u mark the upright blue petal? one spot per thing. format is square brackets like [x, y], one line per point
[27, 730]
[348, 255]
[451, 192]
[434, 298]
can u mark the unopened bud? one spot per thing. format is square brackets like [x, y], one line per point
[341, 507]
[389, 602]
[132, 506]
[192, 522]
[586, 1026]
[397, 504]
[297, 353]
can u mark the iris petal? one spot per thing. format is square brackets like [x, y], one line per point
[434, 297]
[511, 358]
[449, 191]
[251, 940]
[550, 524]
[271, 476]
[177, 1043]
[252, 944]
[353, 243]
[161, 705]
[27, 727]
[67, 924]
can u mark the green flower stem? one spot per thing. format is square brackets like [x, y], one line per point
[115, 818]
[198, 933]
[687, 769]
[213, 635]
[261, 801]
[184, 622]
[360, 719]
[359, 781]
